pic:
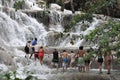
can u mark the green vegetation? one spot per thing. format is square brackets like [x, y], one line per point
[77, 18]
[18, 5]
[99, 6]
[107, 37]
[12, 76]
[58, 35]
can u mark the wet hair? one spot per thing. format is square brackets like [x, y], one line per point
[28, 41]
[64, 50]
[72, 52]
[41, 47]
[81, 47]
[55, 49]
[36, 39]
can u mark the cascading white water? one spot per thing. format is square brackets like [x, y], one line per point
[17, 27]
[15, 30]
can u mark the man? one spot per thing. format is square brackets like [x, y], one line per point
[80, 55]
[33, 43]
[65, 60]
[55, 59]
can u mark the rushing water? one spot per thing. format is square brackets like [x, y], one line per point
[17, 27]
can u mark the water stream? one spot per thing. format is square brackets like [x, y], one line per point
[17, 27]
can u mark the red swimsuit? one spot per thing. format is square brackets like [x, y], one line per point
[41, 54]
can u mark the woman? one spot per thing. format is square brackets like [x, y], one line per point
[41, 55]
[108, 58]
[100, 61]
[36, 50]
[87, 58]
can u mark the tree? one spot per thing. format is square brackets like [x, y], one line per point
[106, 36]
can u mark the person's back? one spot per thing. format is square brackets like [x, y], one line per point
[26, 49]
[55, 59]
[81, 53]
[55, 55]
[72, 58]
[36, 48]
[72, 55]
[27, 46]
[65, 54]
[108, 59]
[41, 54]
[34, 42]
[65, 59]
[81, 62]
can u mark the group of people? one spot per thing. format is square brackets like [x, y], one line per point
[32, 48]
[80, 59]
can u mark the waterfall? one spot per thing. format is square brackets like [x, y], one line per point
[16, 28]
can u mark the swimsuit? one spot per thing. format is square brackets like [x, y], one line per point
[41, 54]
[81, 61]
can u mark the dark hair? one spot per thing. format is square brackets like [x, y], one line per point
[55, 49]
[28, 41]
[81, 47]
[64, 50]
[36, 39]
[41, 47]
[71, 51]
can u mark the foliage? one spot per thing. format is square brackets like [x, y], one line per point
[7, 76]
[18, 5]
[98, 6]
[58, 35]
[106, 36]
[77, 18]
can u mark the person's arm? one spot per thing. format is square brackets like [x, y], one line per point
[95, 57]
[111, 55]
[76, 55]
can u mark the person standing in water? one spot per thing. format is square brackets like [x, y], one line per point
[65, 60]
[87, 59]
[41, 54]
[99, 60]
[36, 50]
[108, 59]
[81, 62]
[27, 50]
[72, 59]
[55, 59]
[33, 43]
